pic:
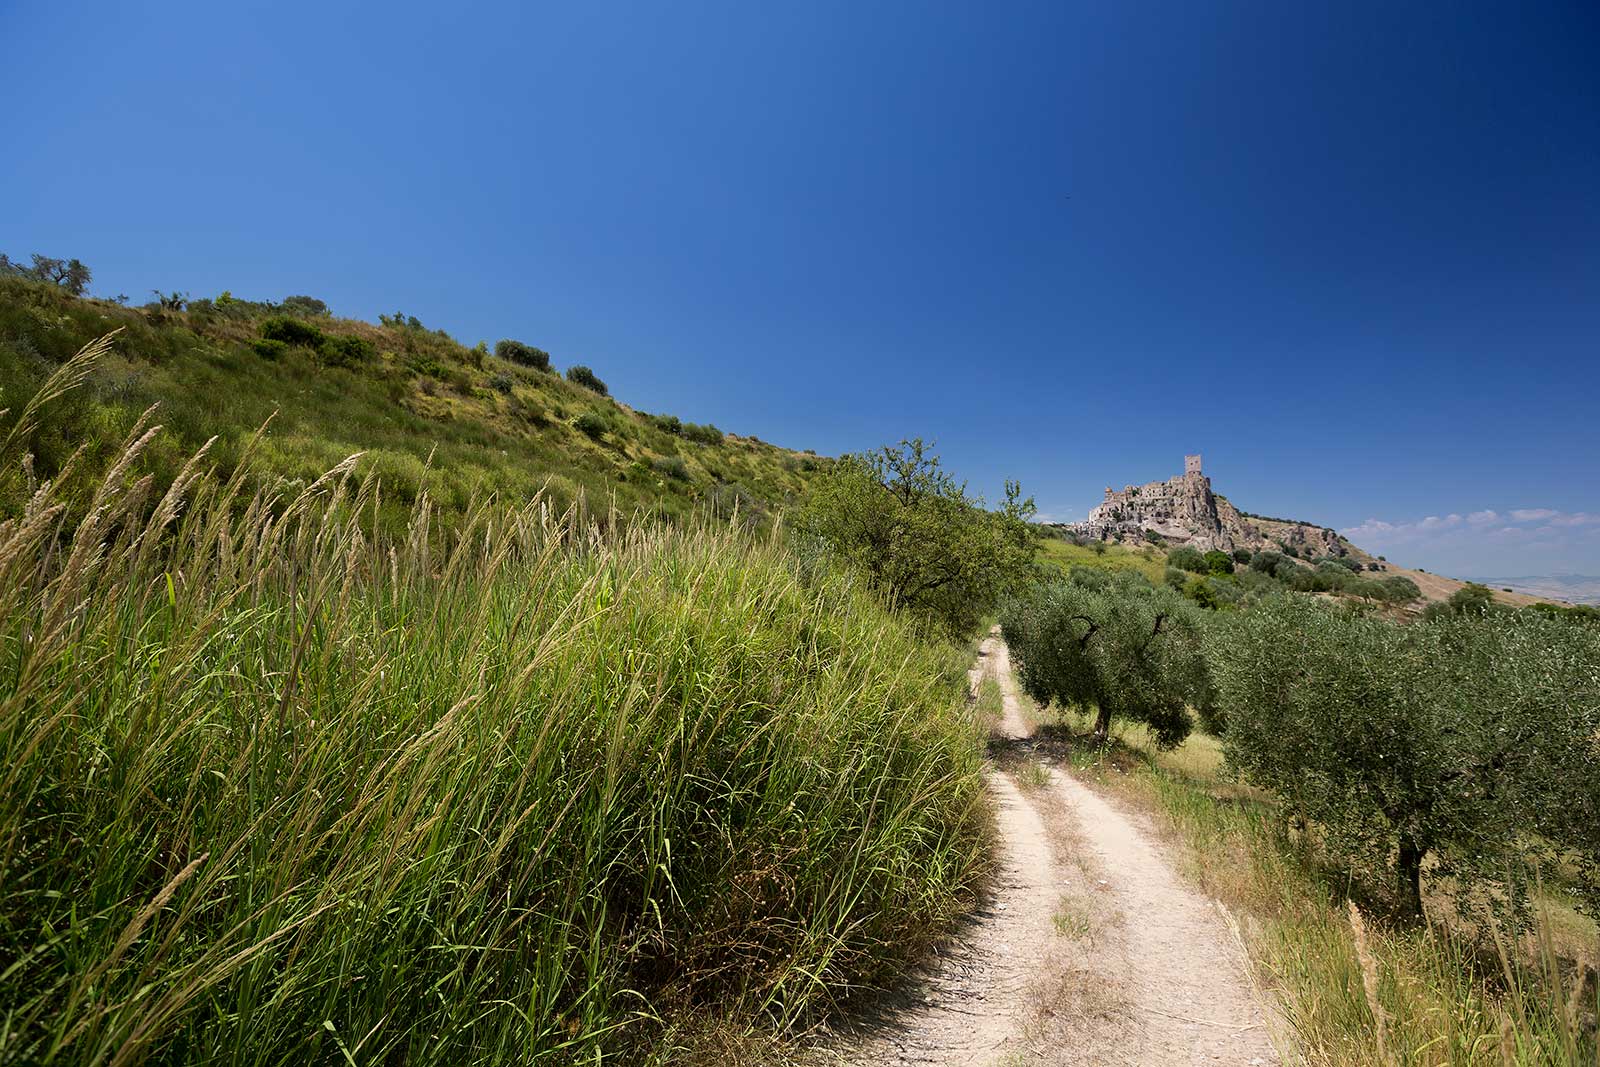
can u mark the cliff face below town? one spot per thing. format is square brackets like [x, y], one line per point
[1184, 511]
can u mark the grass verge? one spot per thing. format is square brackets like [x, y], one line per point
[1352, 990]
[275, 789]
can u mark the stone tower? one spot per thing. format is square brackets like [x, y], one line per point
[1191, 464]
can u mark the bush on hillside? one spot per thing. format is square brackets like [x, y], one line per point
[704, 435]
[591, 425]
[346, 350]
[268, 347]
[912, 530]
[672, 467]
[667, 424]
[581, 375]
[307, 306]
[553, 797]
[1126, 650]
[69, 274]
[1188, 558]
[1437, 746]
[523, 355]
[292, 332]
[1218, 562]
[1201, 591]
[1241, 555]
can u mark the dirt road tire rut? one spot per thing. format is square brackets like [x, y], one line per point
[1089, 950]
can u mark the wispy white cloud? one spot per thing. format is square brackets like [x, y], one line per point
[1485, 534]
[1402, 530]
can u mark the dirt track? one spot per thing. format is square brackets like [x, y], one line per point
[1090, 950]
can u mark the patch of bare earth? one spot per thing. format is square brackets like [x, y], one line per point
[1088, 950]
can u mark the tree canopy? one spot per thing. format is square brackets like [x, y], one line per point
[1473, 740]
[919, 536]
[1113, 643]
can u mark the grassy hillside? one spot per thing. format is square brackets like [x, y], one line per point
[1063, 555]
[276, 790]
[396, 391]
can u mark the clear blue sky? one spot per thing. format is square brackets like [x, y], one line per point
[1350, 251]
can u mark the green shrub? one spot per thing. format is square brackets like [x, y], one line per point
[291, 332]
[268, 347]
[1241, 555]
[581, 375]
[667, 424]
[1188, 558]
[1218, 562]
[911, 529]
[1399, 589]
[591, 425]
[672, 467]
[705, 435]
[501, 383]
[525, 355]
[1201, 591]
[306, 306]
[1126, 650]
[1175, 578]
[346, 350]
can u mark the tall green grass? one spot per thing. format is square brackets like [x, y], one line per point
[272, 791]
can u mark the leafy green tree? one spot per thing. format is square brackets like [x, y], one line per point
[918, 536]
[1446, 743]
[591, 425]
[581, 375]
[1126, 649]
[346, 350]
[1399, 589]
[292, 331]
[306, 306]
[70, 274]
[705, 434]
[1187, 558]
[525, 355]
[1201, 591]
[1218, 562]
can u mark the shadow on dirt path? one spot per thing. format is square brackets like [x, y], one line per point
[1088, 950]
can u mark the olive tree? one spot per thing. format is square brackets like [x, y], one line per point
[1465, 749]
[1116, 645]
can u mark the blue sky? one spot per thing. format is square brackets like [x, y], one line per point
[1349, 251]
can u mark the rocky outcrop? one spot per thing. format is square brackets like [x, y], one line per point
[1184, 511]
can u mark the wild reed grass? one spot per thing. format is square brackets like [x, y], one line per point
[277, 789]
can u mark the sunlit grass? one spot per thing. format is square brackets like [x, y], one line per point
[275, 791]
[1064, 555]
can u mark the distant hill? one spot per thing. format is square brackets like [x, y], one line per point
[1184, 511]
[426, 410]
[1572, 588]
